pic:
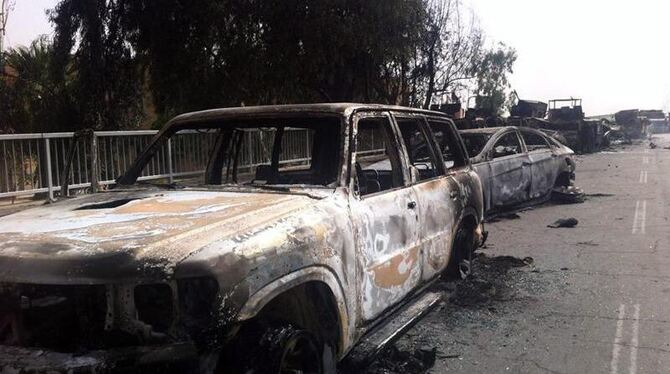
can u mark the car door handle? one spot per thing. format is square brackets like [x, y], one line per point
[411, 205]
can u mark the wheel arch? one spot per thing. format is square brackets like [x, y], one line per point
[296, 285]
[470, 218]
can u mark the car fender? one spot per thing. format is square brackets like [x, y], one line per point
[262, 297]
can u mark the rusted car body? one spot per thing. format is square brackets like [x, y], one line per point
[144, 274]
[518, 165]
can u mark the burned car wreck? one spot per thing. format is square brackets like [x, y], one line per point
[273, 258]
[519, 166]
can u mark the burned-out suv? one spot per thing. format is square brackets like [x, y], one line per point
[308, 229]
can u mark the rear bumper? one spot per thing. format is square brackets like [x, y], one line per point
[33, 360]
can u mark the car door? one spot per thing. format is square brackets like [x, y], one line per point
[544, 163]
[436, 194]
[383, 209]
[509, 170]
[440, 201]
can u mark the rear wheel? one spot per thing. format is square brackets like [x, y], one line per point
[460, 264]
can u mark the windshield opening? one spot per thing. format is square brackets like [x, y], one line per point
[474, 143]
[280, 152]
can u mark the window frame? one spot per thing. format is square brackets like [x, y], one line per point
[522, 148]
[462, 153]
[403, 165]
[549, 145]
[440, 168]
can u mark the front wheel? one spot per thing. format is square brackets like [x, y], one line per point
[460, 264]
[281, 350]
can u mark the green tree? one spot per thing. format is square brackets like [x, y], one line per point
[32, 100]
[492, 74]
[232, 52]
[101, 66]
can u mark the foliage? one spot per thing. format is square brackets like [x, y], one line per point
[105, 74]
[492, 76]
[233, 52]
[448, 54]
[31, 100]
[115, 62]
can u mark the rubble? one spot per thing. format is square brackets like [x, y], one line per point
[487, 284]
[394, 360]
[568, 195]
[564, 222]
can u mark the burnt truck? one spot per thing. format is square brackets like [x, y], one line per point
[311, 234]
[565, 118]
[631, 123]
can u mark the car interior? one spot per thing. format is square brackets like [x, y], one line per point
[377, 160]
[507, 145]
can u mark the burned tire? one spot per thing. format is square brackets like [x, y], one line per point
[278, 350]
[460, 264]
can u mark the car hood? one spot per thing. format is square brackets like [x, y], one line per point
[129, 234]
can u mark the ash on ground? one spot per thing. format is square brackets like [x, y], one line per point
[500, 289]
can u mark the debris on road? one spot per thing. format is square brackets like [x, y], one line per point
[568, 195]
[502, 216]
[589, 243]
[652, 145]
[599, 195]
[564, 222]
[394, 360]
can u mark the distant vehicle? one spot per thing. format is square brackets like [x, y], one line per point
[517, 165]
[658, 126]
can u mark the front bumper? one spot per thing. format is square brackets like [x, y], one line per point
[17, 360]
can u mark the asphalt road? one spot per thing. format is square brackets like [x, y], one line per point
[593, 299]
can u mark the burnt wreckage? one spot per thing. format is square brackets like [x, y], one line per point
[519, 166]
[271, 258]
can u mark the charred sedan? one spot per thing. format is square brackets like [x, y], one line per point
[518, 165]
[305, 229]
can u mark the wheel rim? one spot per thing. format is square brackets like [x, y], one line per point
[300, 355]
[465, 268]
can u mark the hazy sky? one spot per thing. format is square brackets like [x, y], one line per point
[612, 53]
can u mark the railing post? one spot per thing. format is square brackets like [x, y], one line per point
[94, 163]
[169, 163]
[50, 185]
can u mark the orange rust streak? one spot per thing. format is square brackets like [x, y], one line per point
[388, 275]
[159, 206]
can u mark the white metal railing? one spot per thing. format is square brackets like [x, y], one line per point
[32, 163]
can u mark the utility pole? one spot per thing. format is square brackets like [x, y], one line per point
[5, 6]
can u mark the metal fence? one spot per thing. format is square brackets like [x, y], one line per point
[32, 163]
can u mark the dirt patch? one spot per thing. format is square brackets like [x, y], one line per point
[489, 282]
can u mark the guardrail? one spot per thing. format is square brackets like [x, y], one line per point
[32, 163]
